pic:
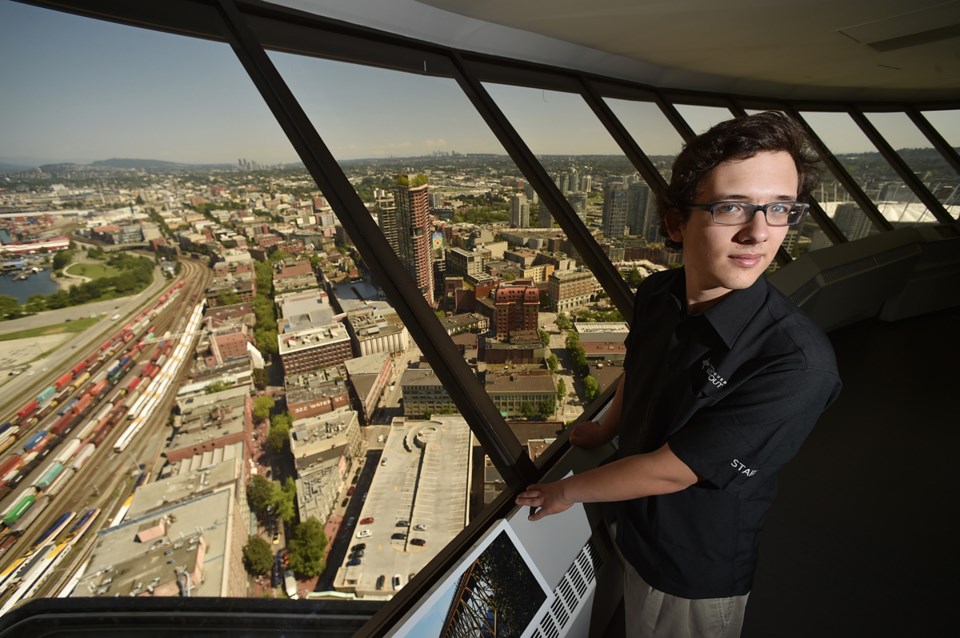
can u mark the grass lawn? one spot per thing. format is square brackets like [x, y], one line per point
[92, 270]
[60, 328]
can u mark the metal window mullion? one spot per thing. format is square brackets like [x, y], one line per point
[906, 174]
[673, 116]
[840, 173]
[933, 135]
[550, 196]
[820, 217]
[477, 408]
[620, 134]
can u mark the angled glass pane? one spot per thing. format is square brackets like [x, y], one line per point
[809, 235]
[947, 123]
[651, 129]
[600, 183]
[897, 203]
[121, 480]
[917, 152]
[453, 207]
[700, 118]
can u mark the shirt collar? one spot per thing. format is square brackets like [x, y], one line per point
[730, 315]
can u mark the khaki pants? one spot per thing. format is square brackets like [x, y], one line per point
[650, 613]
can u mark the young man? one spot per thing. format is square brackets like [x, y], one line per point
[723, 380]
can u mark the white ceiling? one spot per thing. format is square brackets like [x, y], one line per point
[805, 49]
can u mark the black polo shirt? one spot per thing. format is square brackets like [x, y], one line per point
[735, 391]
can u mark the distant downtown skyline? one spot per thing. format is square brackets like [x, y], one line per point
[80, 90]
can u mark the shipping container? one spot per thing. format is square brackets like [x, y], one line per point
[79, 381]
[81, 457]
[133, 385]
[79, 368]
[32, 442]
[98, 389]
[27, 410]
[62, 425]
[6, 543]
[46, 394]
[11, 464]
[55, 529]
[68, 450]
[83, 404]
[6, 426]
[26, 519]
[63, 381]
[7, 442]
[21, 508]
[42, 447]
[67, 407]
[48, 476]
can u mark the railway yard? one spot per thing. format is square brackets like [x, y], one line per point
[75, 445]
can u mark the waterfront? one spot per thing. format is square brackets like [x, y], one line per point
[22, 289]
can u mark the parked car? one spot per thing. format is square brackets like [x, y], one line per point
[366, 521]
[352, 489]
[420, 527]
[276, 575]
[364, 533]
[352, 562]
[399, 536]
[381, 579]
[397, 582]
[359, 547]
[419, 542]
[403, 523]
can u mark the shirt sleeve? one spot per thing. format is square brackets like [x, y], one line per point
[742, 441]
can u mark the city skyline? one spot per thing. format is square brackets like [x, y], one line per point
[81, 90]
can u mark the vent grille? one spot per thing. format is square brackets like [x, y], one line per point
[570, 593]
[804, 293]
[897, 254]
[848, 270]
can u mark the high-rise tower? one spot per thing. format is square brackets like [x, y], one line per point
[615, 200]
[408, 230]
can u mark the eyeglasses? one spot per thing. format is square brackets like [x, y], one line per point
[738, 213]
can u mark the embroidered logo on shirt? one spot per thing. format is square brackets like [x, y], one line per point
[712, 375]
[743, 469]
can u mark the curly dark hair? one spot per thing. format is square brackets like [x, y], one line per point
[737, 139]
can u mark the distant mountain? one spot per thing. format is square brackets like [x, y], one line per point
[145, 164]
[6, 169]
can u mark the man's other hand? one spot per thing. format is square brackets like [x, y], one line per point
[546, 497]
[588, 435]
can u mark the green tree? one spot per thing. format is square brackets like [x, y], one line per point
[217, 386]
[9, 306]
[262, 407]
[62, 259]
[561, 389]
[553, 363]
[278, 438]
[306, 548]
[544, 337]
[590, 388]
[264, 278]
[634, 278]
[285, 505]
[260, 495]
[563, 322]
[229, 298]
[257, 556]
[528, 410]
[281, 420]
[260, 378]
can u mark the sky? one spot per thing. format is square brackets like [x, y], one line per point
[75, 89]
